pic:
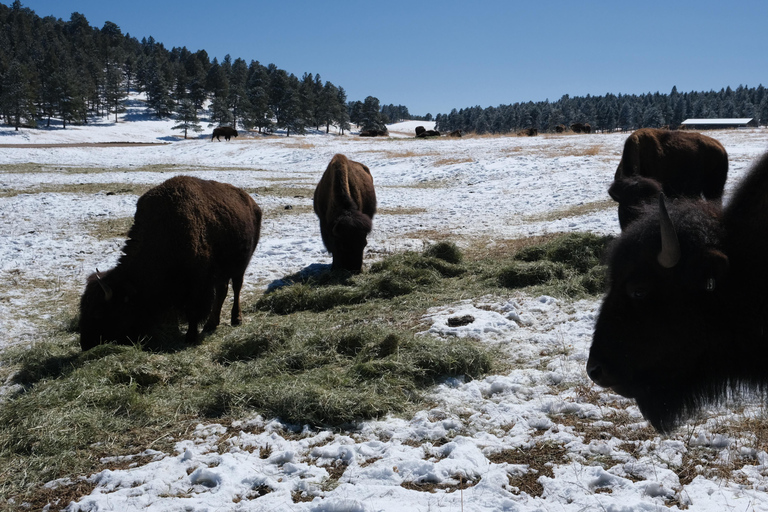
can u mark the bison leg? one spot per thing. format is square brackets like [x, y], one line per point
[237, 314]
[220, 293]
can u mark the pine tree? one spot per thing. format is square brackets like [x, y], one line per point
[238, 96]
[187, 117]
[259, 113]
[370, 115]
[17, 96]
[340, 112]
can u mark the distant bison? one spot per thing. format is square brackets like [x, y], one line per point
[683, 324]
[581, 128]
[429, 133]
[189, 238]
[687, 164]
[224, 131]
[455, 133]
[560, 128]
[374, 133]
[420, 130]
[529, 132]
[345, 203]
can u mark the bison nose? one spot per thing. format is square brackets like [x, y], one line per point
[595, 372]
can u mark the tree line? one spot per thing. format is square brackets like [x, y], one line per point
[69, 70]
[611, 112]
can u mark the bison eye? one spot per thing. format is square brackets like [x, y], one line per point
[638, 291]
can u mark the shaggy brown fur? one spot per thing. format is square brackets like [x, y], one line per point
[679, 334]
[345, 203]
[687, 164]
[633, 194]
[189, 238]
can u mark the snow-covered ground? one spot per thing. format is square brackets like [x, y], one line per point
[478, 190]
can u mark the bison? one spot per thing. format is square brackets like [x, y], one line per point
[345, 202]
[581, 128]
[455, 133]
[189, 238]
[226, 131]
[560, 128]
[420, 130]
[683, 323]
[528, 132]
[632, 194]
[428, 133]
[687, 164]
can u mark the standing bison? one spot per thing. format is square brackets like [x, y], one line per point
[189, 238]
[345, 203]
[683, 164]
[684, 322]
[687, 164]
[223, 131]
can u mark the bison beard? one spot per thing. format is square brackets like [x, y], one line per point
[190, 237]
[684, 321]
[345, 203]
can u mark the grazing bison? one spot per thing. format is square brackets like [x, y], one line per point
[528, 132]
[687, 164]
[428, 133]
[189, 238]
[632, 194]
[685, 320]
[560, 128]
[345, 202]
[580, 128]
[224, 131]
[420, 130]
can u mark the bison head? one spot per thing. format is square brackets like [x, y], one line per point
[350, 233]
[109, 311]
[633, 194]
[654, 332]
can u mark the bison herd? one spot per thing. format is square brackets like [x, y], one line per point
[683, 323]
[190, 238]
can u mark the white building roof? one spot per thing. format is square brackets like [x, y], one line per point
[732, 120]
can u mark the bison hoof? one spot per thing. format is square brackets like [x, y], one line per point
[210, 327]
[237, 320]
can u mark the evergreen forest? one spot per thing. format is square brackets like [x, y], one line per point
[611, 112]
[70, 71]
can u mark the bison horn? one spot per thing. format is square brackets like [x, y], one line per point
[104, 286]
[669, 255]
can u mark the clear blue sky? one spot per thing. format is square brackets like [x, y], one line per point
[432, 56]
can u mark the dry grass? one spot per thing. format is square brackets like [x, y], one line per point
[109, 227]
[409, 154]
[298, 144]
[288, 209]
[401, 211]
[572, 211]
[590, 151]
[540, 459]
[80, 188]
[281, 191]
[454, 161]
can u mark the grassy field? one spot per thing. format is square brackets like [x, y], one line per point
[326, 351]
